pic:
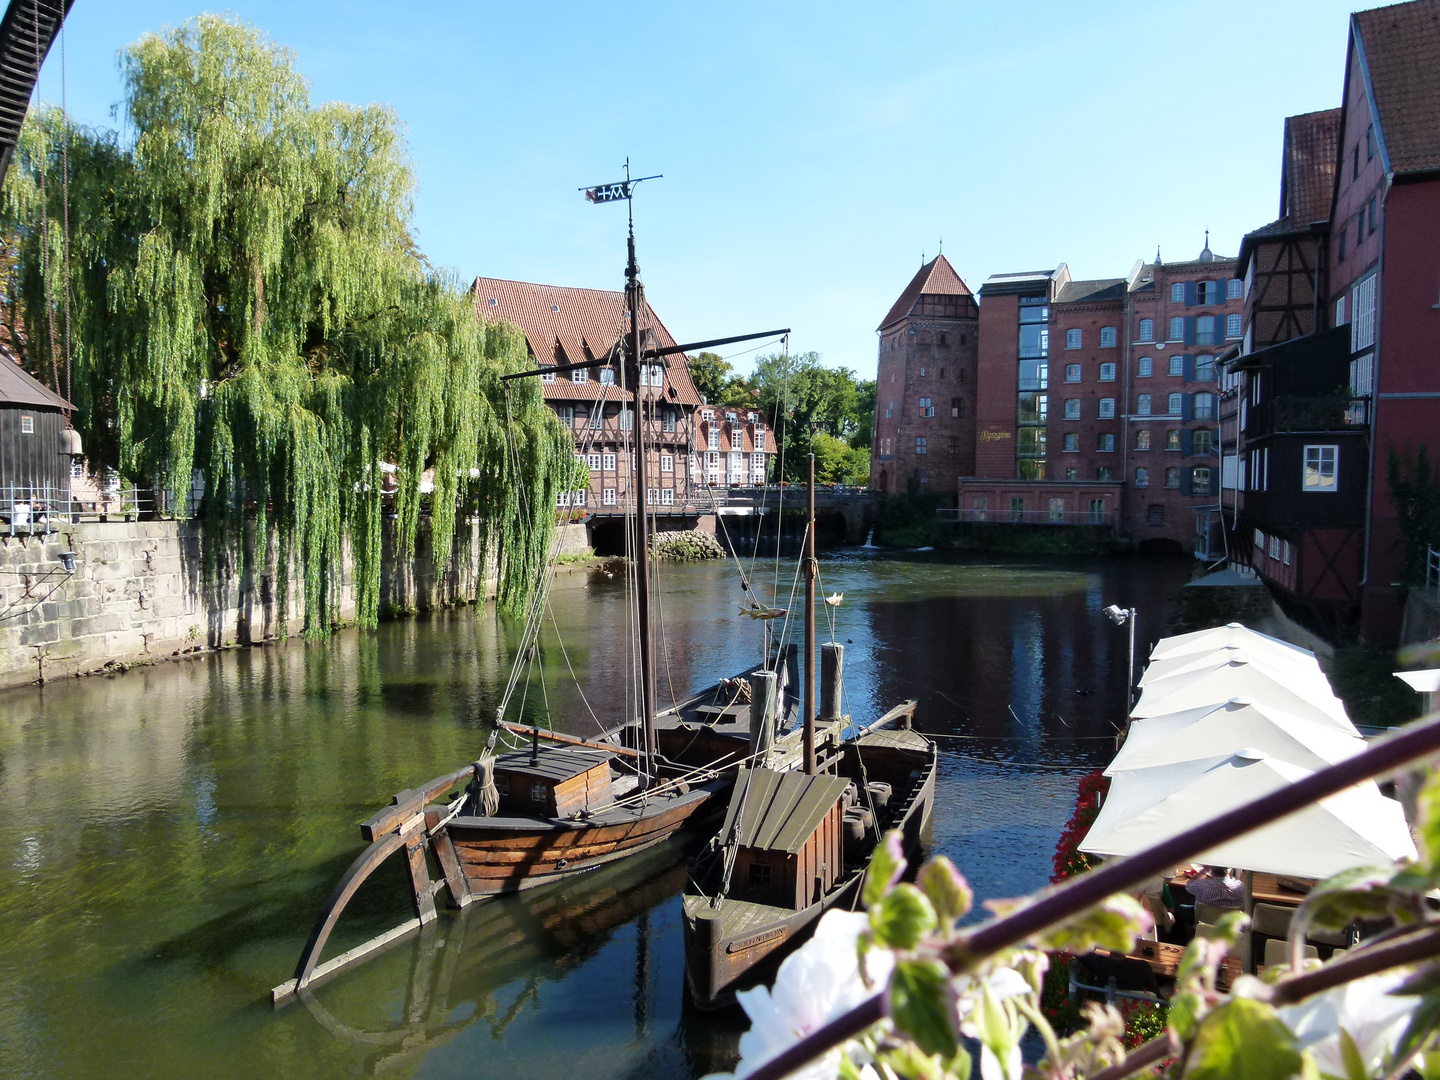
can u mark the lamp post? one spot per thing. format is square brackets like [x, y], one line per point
[1120, 617]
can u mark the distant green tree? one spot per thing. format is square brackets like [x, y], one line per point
[857, 466]
[832, 458]
[864, 435]
[799, 394]
[710, 372]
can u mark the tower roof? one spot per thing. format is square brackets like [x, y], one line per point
[935, 278]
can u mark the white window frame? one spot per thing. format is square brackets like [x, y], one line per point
[580, 375]
[667, 496]
[607, 496]
[926, 408]
[1320, 468]
[27, 425]
[593, 461]
[607, 462]
[1362, 315]
[667, 463]
[920, 444]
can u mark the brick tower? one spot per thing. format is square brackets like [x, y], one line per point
[925, 385]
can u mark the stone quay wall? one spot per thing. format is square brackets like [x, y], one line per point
[140, 592]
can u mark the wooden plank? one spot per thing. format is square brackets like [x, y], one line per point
[568, 740]
[290, 988]
[454, 875]
[420, 878]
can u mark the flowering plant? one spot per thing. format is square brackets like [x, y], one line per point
[900, 991]
[1069, 859]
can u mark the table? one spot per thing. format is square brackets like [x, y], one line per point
[1279, 889]
[1164, 959]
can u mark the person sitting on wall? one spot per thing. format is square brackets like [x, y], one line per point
[1217, 887]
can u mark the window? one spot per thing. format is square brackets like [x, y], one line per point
[1285, 552]
[1072, 339]
[957, 406]
[922, 372]
[1204, 369]
[581, 498]
[1097, 511]
[1072, 408]
[759, 876]
[608, 462]
[607, 376]
[979, 504]
[1107, 337]
[1340, 311]
[715, 436]
[1142, 477]
[1200, 481]
[712, 459]
[1172, 439]
[1172, 478]
[707, 414]
[1259, 540]
[593, 461]
[1072, 372]
[759, 438]
[1177, 292]
[926, 409]
[1072, 473]
[547, 376]
[889, 409]
[1173, 404]
[566, 414]
[919, 444]
[1204, 406]
[1362, 315]
[669, 422]
[1370, 206]
[1232, 326]
[1142, 439]
[757, 462]
[1274, 547]
[1107, 372]
[1105, 474]
[1177, 328]
[27, 425]
[1107, 408]
[667, 462]
[627, 419]
[1234, 289]
[1177, 366]
[580, 375]
[1155, 514]
[1145, 367]
[1017, 509]
[596, 418]
[1320, 468]
[1072, 442]
[562, 498]
[1355, 167]
[1105, 443]
[1205, 331]
[1057, 510]
[1202, 442]
[1207, 292]
[1142, 405]
[667, 496]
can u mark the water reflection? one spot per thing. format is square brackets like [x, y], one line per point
[171, 833]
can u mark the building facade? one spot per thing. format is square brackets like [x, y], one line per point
[691, 460]
[925, 394]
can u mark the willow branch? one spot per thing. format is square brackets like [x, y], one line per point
[1382, 757]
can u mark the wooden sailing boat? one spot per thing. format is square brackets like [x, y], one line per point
[529, 817]
[796, 844]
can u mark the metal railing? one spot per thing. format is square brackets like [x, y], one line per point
[42, 508]
[1006, 516]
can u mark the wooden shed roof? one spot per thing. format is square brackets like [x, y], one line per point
[553, 765]
[18, 387]
[780, 810]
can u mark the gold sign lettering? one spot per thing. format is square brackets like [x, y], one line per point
[994, 436]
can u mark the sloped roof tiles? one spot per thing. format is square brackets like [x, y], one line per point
[1401, 48]
[935, 278]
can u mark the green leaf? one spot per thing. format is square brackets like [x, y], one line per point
[1184, 1015]
[1424, 1023]
[1338, 909]
[1114, 923]
[1243, 1039]
[948, 891]
[886, 866]
[1427, 825]
[961, 1065]
[904, 915]
[1351, 1057]
[922, 1004]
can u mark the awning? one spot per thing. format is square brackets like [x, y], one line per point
[1217, 685]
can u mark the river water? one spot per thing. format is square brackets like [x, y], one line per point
[168, 835]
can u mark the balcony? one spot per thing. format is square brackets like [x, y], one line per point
[1333, 412]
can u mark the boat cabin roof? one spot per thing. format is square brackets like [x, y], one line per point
[899, 738]
[780, 810]
[552, 764]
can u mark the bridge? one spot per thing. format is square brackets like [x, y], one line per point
[854, 509]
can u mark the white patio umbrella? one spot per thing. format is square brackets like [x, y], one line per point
[1300, 667]
[1204, 734]
[1217, 637]
[1217, 685]
[1357, 827]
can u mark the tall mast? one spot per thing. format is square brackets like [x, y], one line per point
[634, 300]
[810, 569]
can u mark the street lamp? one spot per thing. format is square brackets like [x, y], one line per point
[1120, 616]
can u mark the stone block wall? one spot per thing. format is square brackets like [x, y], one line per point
[140, 592]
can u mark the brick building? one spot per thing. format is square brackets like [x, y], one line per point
[1325, 397]
[567, 326]
[925, 385]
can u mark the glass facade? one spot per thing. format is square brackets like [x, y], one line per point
[1033, 406]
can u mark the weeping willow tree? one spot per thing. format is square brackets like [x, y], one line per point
[246, 300]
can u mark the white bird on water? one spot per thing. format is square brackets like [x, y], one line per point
[834, 599]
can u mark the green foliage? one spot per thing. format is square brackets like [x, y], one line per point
[1363, 677]
[832, 459]
[248, 302]
[709, 372]
[921, 1005]
[800, 394]
[1415, 494]
[902, 917]
[947, 890]
[1243, 1040]
[907, 519]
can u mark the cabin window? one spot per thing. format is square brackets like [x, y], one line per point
[27, 425]
[759, 876]
[538, 791]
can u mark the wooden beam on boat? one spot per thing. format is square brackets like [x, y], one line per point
[291, 987]
[568, 740]
[905, 710]
[410, 804]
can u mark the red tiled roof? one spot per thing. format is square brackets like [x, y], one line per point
[1307, 169]
[745, 430]
[935, 278]
[1400, 46]
[568, 326]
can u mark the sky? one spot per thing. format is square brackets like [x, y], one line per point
[812, 153]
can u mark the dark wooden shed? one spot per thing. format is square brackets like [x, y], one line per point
[555, 784]
[789, 839]
[34, 451]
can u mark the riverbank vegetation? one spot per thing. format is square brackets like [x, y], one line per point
[240, 306]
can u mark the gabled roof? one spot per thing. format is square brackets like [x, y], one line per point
[17, 387]
[1096, 291]
[935, 278]
[570, 326]
[1307, 167]
[1400, 59]
[779, 811]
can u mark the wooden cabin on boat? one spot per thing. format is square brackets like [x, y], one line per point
[789, 844]
[557, 784]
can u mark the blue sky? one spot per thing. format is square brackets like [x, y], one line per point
[811, 152]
